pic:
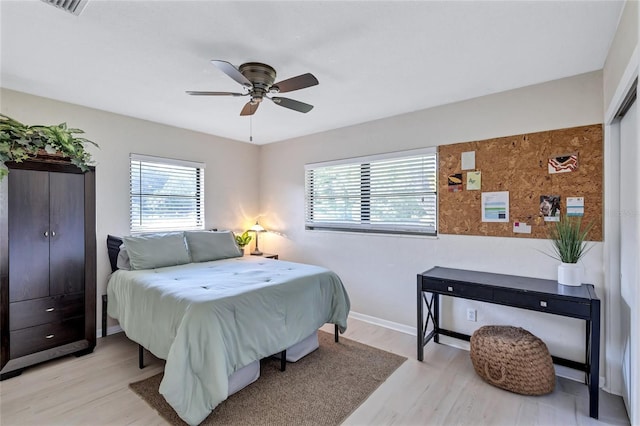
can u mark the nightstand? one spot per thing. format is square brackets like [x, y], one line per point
[267, 255]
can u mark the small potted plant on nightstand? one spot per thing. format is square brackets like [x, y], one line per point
[242, 240]
[569, 246]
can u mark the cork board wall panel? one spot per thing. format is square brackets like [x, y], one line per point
[519, 164]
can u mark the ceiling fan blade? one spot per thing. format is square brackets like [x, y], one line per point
[249, 108]
[297, 83]
[292, 104]
[195, 93]
[232, 72]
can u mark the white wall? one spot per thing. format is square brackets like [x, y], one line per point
[379, 271]
[231, 194]
[624, 43]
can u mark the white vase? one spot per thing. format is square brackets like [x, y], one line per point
[570, 274]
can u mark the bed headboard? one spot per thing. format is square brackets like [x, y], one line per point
[113, 248]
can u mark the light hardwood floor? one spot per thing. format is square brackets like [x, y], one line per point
[442, 390]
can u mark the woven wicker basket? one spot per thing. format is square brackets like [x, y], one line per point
[511, 358]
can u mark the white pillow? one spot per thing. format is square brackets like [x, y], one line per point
[122, 262]
[207, 245]
[156, 250]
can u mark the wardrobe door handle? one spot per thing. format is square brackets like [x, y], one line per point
[50, 310]
[50, 336]
[53, 233]
[46, 233]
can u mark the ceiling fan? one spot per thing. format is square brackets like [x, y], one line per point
[257, 81]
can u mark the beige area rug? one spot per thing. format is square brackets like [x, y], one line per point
[322, 388]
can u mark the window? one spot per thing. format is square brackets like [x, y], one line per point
[166, 194]
[390, 193]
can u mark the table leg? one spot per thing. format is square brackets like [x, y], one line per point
[436, 317]
[420, 333]
[587, 353]
[593, 328]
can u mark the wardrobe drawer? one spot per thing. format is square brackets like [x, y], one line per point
[45, 310]
[47, 336]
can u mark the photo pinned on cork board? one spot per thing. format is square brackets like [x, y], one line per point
[550, 208]
[565, 163]
[454, 182]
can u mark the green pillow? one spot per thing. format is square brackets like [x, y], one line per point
[208, 245]
[156, 250]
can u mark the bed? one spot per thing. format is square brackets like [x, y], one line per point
[210, 319]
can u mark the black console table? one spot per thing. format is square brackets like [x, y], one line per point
[520, 292]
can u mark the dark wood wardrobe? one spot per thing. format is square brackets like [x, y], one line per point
[47, 264]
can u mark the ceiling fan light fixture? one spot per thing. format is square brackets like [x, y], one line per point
[257, 80]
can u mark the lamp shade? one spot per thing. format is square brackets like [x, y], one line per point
[257, 228]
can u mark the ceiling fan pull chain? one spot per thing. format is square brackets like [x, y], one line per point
[251, 128]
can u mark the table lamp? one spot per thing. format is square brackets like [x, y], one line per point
[257, 228]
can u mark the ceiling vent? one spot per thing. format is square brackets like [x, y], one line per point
[71, 6]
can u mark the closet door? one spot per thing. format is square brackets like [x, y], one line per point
[66, 242]
[630, 252]
[28, 235]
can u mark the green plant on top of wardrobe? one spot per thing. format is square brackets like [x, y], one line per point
[19, 142]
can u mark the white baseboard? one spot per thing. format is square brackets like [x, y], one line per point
[567, 373]
[384, 323]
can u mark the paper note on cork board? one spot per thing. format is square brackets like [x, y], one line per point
[474, 181]
[575, 206]
[495, 206]
[468, 160]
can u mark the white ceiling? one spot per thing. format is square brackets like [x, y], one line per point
[373, 59]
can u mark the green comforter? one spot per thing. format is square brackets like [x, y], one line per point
[210, 319]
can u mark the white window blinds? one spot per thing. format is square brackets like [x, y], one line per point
[393, 193]
[165, 194]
